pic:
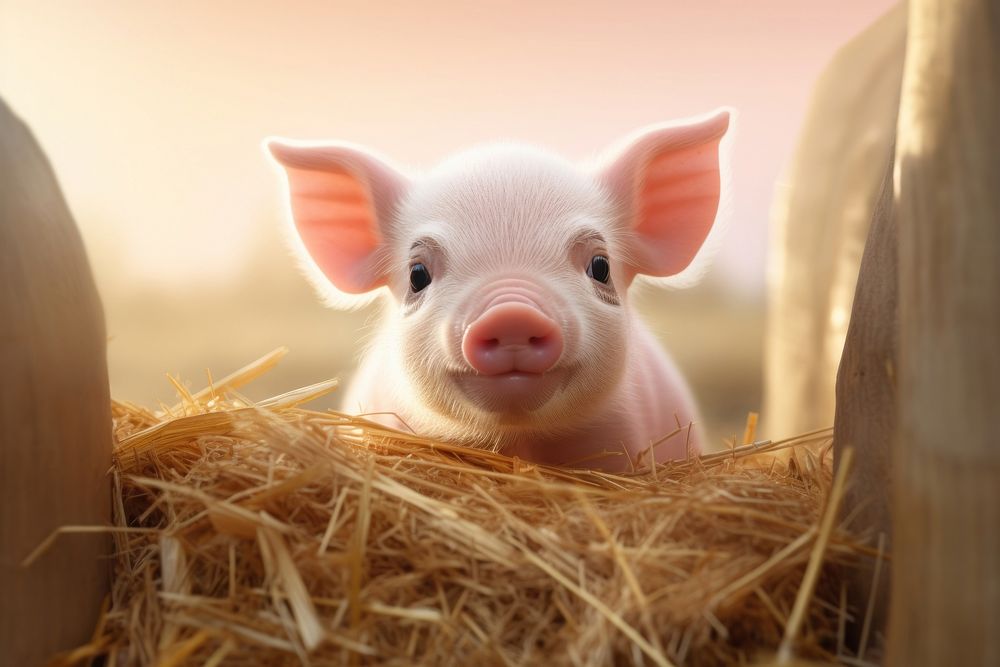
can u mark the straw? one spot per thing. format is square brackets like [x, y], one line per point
[275, 534]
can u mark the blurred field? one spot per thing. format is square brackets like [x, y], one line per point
[716, 338]
[153, 113]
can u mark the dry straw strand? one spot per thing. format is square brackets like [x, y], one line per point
[270, 533]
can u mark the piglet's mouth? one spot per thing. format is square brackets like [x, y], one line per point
[513, 392]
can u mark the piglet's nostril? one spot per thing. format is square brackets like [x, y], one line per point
[512, 337]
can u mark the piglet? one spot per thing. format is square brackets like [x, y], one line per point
[508, 270]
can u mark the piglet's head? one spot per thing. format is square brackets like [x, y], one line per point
[508, 266]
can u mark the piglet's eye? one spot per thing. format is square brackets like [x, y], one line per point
[420, 277]
[599, 269]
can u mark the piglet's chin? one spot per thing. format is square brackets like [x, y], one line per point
[511, 394]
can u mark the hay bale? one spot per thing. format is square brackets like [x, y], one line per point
[273, 534]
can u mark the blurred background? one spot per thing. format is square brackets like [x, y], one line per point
[153, 113]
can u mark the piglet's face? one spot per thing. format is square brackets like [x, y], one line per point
[508, 266]
[511, 315]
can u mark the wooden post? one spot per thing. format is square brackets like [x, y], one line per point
[819, 222]
[866, 418]
[55, 420]
[946, 569]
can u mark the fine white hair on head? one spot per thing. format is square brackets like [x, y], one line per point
[499, 195]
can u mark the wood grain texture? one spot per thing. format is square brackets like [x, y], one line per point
[55, 420]
[946, 571]
[866, 415]
[819, 223]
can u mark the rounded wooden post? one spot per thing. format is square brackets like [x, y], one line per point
[55, 418]
[866, 419]
[946, 567]
[819, 223]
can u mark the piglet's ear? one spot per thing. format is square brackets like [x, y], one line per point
[666, 179]
[342, 200]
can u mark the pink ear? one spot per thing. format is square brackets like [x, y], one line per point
[667, 181]
[342, 199]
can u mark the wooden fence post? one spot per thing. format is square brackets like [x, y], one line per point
[866, 415]
[946, 511]
[819, 223]
[55, 418]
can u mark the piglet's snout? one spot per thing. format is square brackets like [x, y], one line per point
[512, 337]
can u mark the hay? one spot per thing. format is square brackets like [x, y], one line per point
[272, 534]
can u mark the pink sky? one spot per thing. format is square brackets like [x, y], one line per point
[152, 112]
